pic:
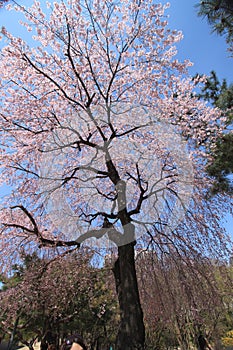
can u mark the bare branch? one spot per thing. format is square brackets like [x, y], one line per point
[53, 81]
[43, 242]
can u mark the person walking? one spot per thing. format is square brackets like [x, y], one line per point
[74, 342]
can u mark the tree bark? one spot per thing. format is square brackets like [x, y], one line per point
[131, 334]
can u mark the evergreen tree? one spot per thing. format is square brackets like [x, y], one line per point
[220, 95]
[219, 14]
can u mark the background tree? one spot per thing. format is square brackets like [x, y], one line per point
[221, 167]
[188, 297]
[88, 114]
[219, 14]
[52, 298]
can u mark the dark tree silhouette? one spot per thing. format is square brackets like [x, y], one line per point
[220, 94]
[219, 14]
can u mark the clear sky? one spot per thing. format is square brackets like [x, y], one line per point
[207, 51]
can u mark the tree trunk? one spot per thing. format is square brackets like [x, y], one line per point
[12, 337]
[131, 334]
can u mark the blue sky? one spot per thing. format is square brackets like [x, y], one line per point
[207, 51]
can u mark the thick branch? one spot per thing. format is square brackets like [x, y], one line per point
[35, 230]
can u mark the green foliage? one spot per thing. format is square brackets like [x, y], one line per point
[222, 165]
[55, 298]
[219, 14]
[160, 337]
[221, 95]
[227, 340]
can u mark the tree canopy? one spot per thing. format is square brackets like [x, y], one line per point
[220, 94]
[219, 14]
[50, 298]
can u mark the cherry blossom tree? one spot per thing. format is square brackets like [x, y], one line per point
[2, 2]
[50, 298]
[183, 296]
[99, 127]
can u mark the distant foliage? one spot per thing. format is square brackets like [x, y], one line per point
[50, 298]
[219, 14]
[220, 95]
[228, 339]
